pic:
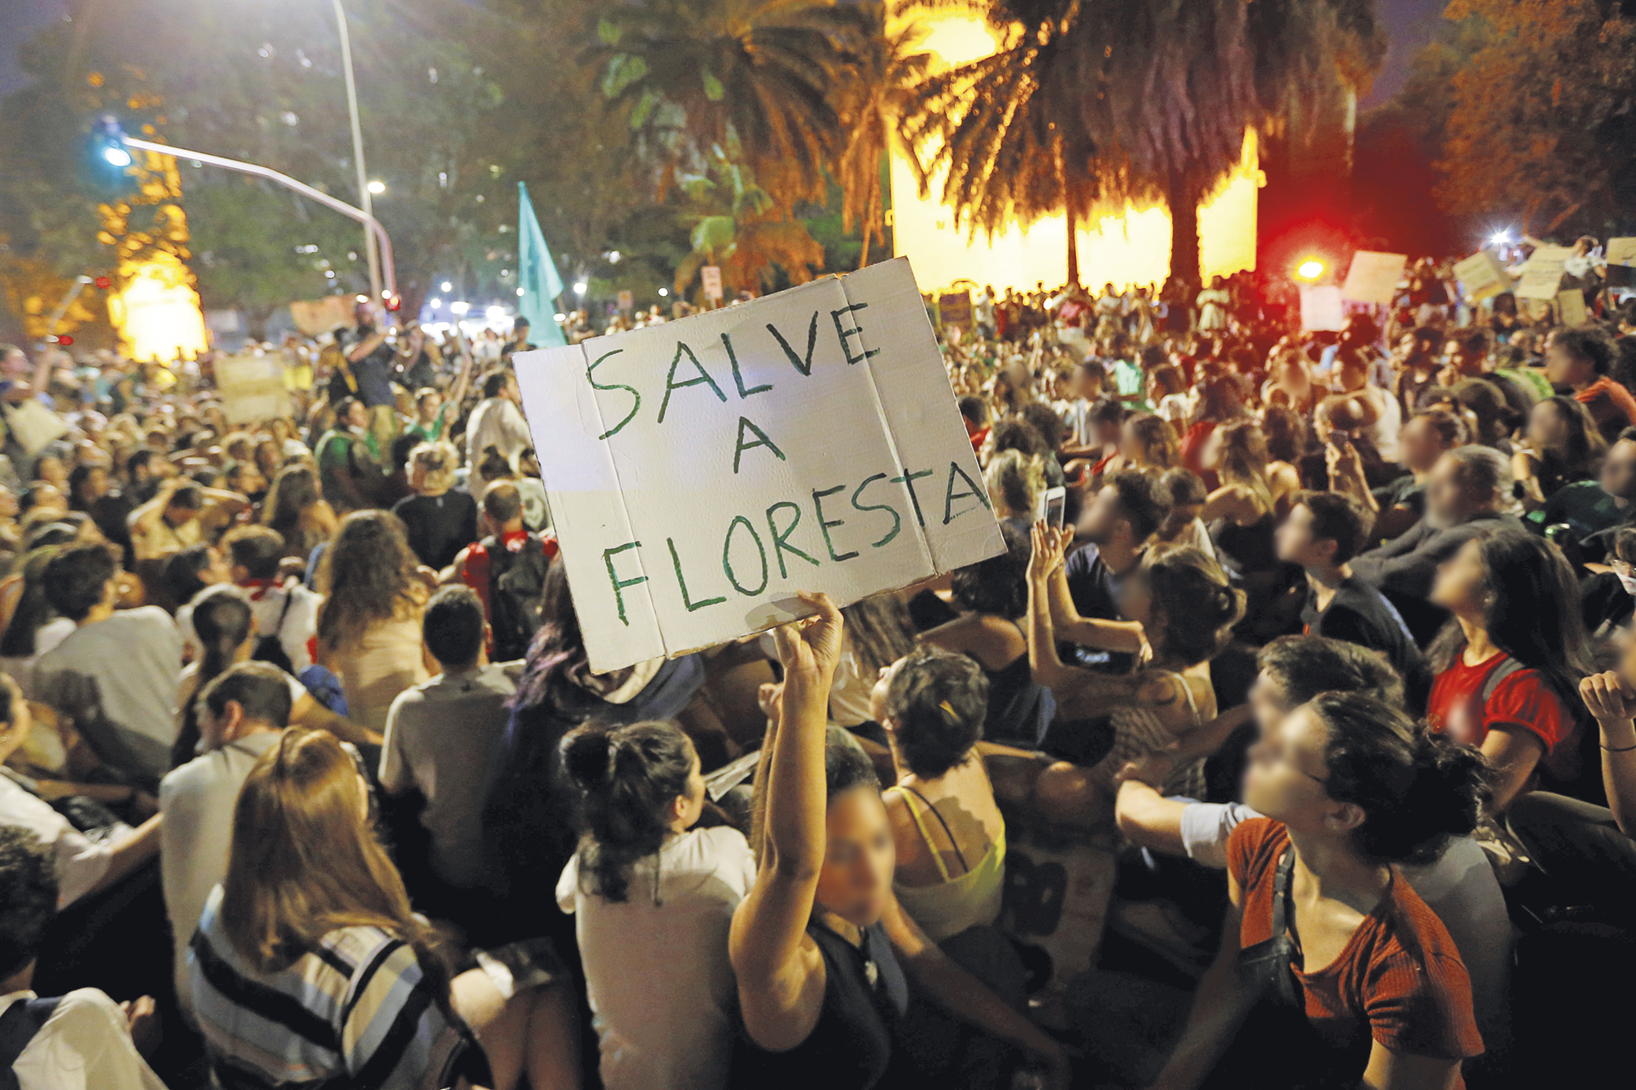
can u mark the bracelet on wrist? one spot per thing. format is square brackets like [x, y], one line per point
[1619, 749]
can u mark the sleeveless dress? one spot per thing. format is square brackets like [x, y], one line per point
[1019, 708]
[960, 901]
[856, 1039]
[1137, 733]
[375, 669]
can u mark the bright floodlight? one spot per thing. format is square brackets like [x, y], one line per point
[664, 293]
[520, 293]
[447, 286]
[435, 303]
[562, 317]
[1310, 269]
[116, 155]
[1500, 238]
[613, 257]
[495, 313]
[377, 187]
[459, 306]
[579, 288]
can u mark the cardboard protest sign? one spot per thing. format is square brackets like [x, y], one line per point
[701, 471]
[1542, 274]
[252, 388]
[322, 315]
[627, 300]
[1570, 305]
[954, 309]
[1321, 309]
[1373, 277]
[1483, 276]
[710, 276]
[1622, 251]
[34, 426]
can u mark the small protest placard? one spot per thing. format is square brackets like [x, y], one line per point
[1570, 306]
[701, 471]
[1542, 274]
[252, 388]
[1373, 277]
[322, 315]
[627, 300]
[711, 276]
[1483, 276]
[1622, 251]
[1322, 309]
[954, 309]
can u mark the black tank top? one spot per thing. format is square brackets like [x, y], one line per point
[852, 1046]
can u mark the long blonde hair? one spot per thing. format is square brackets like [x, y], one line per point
[1244, 460]
[304, 861]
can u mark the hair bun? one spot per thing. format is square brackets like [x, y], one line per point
[586, 755]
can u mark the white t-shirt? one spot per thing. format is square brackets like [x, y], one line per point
[666, 1027]
[496, 422]
[118, 679]
[443, 737]
[297, 628]
[197, 800]
[1460, 887]
[84, 1045]
[80, 864]
[46, 637]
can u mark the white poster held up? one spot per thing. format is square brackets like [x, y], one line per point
[1622, 251]
[1373, 277]
[1322, 310]
[252, 388]
[1483, 276]
[1542, 274]
[324, 315]
[1570, 307]
[701, 471]
[710, 275]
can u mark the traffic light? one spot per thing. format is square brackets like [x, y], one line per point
[103, 282]
[108, 160]
[62, 340]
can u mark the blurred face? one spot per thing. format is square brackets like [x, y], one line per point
[429, 405]
[48, 498]
[1421, 444]
[248, 479]
[8, 503]
[1102, 519]
[883, 683]
[1619, 471]
[1296, 544]
[860, 859]
[1462, 583]
[1269, 712]
[52, 471]
[690, 805]
[1136, 604]
[1546, 428]
[357, 415]
[1564, 368]
[1210, 453]
[1448, 501]
[1285, 776]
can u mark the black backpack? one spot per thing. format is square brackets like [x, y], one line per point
[271, 648]
[516, 585]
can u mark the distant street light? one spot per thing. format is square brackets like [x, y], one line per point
[1310, 269]
[435, 303]
[579, 288]
[377, 187]
[664, 293]
[459, 306]
[520, 293]
[447, 286]
[116, 156]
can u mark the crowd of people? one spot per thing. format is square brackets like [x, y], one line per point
[308, 780]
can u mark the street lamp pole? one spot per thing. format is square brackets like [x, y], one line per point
[358, 148]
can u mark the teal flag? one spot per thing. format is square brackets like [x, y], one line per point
[537, 277]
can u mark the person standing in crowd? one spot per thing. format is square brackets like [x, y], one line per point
[497, 421]
[439, 520]
[310, 963]
[821, 951]
[507, 570]
[365, 372]
[1509, 661]
[1581, 359]
[241, 713]
[349, 459]
[649, 886]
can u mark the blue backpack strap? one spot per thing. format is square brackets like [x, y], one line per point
[20, 1024]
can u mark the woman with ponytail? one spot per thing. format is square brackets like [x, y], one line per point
[1332, 971]
[649, 889]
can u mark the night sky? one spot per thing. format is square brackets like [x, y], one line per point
[1408, 25]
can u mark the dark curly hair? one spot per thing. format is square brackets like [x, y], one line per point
[997, 586]
[368, 576]
[937, 702]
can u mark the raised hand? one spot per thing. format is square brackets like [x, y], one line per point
[1608, 697]
[810, 647]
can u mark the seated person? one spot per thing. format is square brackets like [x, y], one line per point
[83, 868]
[949, 834]
[309, 965]
[241, 713]
[286, 616]
[1322, 533]
[1459, 885]
[1591, 507]
[1507, 666]
[1118, 523]
[1374, 989]
[79, 1041]
[994, 592]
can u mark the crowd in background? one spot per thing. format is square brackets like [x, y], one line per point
[307, 769]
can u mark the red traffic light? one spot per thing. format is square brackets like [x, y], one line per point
[394, 302]
[102, 282]
[65, 340]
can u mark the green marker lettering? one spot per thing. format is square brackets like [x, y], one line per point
[636, 398]
[619, 584]
[780, 542]
[818, 508]
[805, 367]
[691, 605]
[761, 441]
[909, 479]
[671, 383]
[727, 556]
[950, 495]
[738, 379]
[855, 331]
[897, 520]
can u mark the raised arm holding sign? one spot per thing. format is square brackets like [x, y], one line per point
[700, 471]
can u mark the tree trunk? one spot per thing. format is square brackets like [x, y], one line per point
[868, 226]
[1073, 244]
[1183, 199]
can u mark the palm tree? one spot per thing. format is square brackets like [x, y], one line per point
[878, 92]
[759, 72]
[1008, 128]
[738, 227]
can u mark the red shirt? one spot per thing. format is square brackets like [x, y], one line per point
[1399, 973]
[1523, 700]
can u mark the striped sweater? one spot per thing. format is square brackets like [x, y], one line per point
[355, 1012]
